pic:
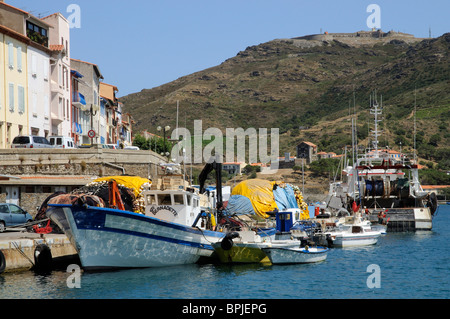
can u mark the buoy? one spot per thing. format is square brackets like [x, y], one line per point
[2, 262]
[42, 258]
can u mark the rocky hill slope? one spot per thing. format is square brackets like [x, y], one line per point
[310, 88]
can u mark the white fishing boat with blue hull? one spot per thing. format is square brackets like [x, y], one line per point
[110, 238]
[166, 234]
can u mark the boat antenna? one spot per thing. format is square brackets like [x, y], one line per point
[414, 124]
[376, 110]
[356, 127]
[353, 138]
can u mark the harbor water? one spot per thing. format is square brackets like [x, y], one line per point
[413, 265]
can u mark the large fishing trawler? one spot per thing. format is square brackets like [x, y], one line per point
[384, 189]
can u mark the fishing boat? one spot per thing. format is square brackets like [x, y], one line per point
[169, 228]
[379, 182]
[351, 234]
[247, 247]
[297, 255]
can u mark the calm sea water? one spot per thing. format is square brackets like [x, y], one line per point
[411, 265]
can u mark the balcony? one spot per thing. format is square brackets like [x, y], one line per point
[37, 37]
[78, 100]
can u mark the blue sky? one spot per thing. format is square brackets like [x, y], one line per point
[144, 44]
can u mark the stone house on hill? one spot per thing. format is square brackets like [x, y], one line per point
[308, 151]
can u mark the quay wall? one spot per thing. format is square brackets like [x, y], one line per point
[72, 161]
[35, 174]
[18, 249]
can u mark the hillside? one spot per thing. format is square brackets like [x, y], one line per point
[306, 88]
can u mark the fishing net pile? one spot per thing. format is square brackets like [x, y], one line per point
[130, 189]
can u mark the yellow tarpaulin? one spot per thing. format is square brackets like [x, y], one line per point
[133, 182]
[260, 193]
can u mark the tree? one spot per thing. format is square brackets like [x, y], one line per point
[324, 166]
[434, 139]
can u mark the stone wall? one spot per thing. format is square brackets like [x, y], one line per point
[99, 162]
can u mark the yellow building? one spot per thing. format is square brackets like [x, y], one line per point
[13, 86]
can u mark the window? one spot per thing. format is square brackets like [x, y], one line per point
[45, 63]
[11, 97]
[178, 199]
[21, 93]
[34, 103]
[11, 55]
[4, 209]
[164, 199]
[59, 74]
[33, 65]
[16, 209]
[19, 59]
[151, 200]
[95, 98]
[46, 189]
[29, 189]
[46, 107]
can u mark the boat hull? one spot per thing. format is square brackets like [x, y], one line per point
[296, 256]
[354, 240]
[407, 219]
[249, 252]
[240, 254]
[110, 238]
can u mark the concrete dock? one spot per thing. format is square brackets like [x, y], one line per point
[18, 248]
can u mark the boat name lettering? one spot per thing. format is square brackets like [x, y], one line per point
[155, 210]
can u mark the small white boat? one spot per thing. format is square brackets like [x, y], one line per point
[297, 255]
[366, 224]
[353, 235]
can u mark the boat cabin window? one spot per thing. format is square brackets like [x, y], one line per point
[178, 199]
[195, 202]
[151, 200]
[356, 229]
[164, 199]
[189, 199]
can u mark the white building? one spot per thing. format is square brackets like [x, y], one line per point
[60, 100]
[39, 91]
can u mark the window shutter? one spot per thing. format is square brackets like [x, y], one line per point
[19, 58]
[21, 93]
[34, 103]
[33, 65]
[11, 97]
[46, 106]
[11, 54]
[46, 66]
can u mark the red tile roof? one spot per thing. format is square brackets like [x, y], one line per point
[56, 47]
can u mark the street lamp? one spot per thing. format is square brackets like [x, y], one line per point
[166, 128]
